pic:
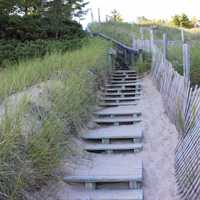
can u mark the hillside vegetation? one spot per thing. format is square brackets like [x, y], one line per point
[124, 32]
[35, 133]
[34, 28]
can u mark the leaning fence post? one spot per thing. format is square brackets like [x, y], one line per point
[99, 15]
[92, 16]
[182, 36]
[186, 62]
[133, 42]
[151, 38]
[142, 38]
[165, 43]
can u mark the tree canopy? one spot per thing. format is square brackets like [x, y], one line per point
[182, 21]
[22, 19]
[116, 16]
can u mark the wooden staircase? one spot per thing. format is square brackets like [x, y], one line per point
[119, 130]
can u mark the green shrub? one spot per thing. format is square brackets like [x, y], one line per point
[12, 51]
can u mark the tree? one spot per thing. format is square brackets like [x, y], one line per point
[60, 11]
[22, 7]
[115, 16]
[182, 21]
[176, 20]
[142, 20]
[194, 22]
[185, 21]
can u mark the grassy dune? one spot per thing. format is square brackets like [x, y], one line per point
[28, 156]
[123, 32]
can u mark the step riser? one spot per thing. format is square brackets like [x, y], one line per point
[124, 76]
[124, 73]
[121, 91]
[117, 104]
[120, 101]
[133, 87]
[117, 123]
[132, 185]
[125, 79]
[123, 82]
[115, 151]
[120, 95]
[112, 140]
[114, 116]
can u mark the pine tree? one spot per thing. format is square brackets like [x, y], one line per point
[185, 21]
[176, 20]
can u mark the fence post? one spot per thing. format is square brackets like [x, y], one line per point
[142, 37]
[186, 62]
[151, 38]
[92, 16]
[110, 58]
[107, 18]
[165, 43]
[133, 42]
[182, 36]
[99, 15]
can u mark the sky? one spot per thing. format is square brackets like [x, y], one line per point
[131, 9]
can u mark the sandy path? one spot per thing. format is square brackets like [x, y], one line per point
[159, 144]
[160, 139]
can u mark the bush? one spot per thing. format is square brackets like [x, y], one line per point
[13, 51]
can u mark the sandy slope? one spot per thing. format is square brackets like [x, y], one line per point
[160, 139]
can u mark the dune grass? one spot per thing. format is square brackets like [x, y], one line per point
[175, 56]
[28, 157]
[27, 73]
[124, 32]
[118, 30]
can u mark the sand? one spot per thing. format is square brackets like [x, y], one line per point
[160, 139]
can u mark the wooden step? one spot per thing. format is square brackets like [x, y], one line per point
[120, 90]
[112, 104]
[119, 111]
[124, 86]
[110, 174]
[129, 70]
[124, 72]
[119, 99]
[123, 82]
[115, 132]
[104, 194]
[117, 121]
[124, 76]
[127, 94]
[109, 148]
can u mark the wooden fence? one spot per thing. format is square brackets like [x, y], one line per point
[182, 105]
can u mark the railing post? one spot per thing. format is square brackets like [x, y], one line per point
[110, 58]
[165, 43]
[186, 62]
